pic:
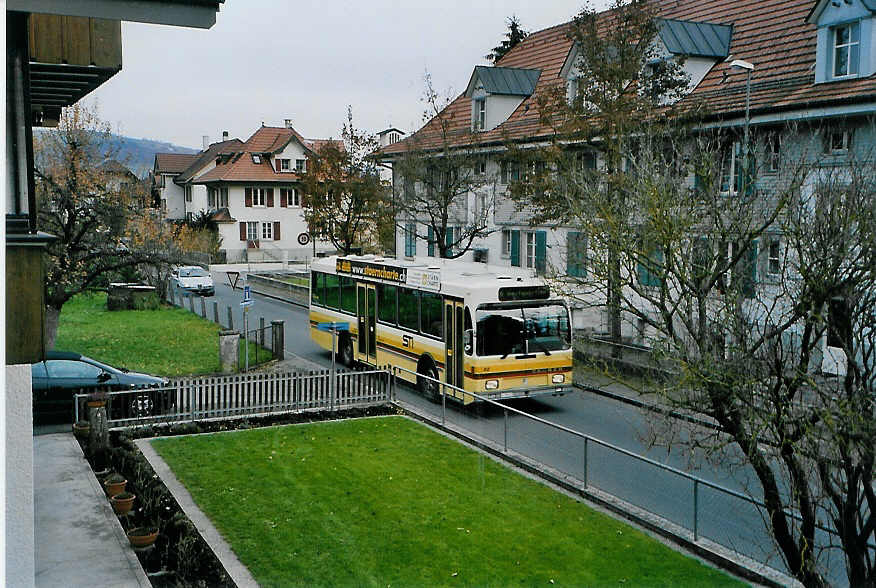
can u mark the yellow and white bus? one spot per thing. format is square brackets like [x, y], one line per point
[495, 331]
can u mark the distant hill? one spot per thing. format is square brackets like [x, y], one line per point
[139, 154]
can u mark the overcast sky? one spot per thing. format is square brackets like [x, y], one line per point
[268, 60]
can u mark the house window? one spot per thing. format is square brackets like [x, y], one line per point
[188, 192]
[289, 197]
[846, 50]
[256, 159]
[774, 264]
[268, 231]
[837, 141]
[480, 167]
[480, 114]
[733, 176]
[773, 153]
[300, 166]
[530, 250]
[506, 242]
[223, 198]
[410, 240]
[510, 171]
[252, 231]
[284, 165]
[258, 196]
[211, 197]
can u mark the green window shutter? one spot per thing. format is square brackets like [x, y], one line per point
[431, 242]
[448, 240]
[515, 248]
[540, 252]
[750, 271]
[646, 276]
[576, 253]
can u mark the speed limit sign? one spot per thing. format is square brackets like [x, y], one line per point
[303, 238]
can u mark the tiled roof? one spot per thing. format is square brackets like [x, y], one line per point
[207, 155]
[240, 166]
[772, 34]
[173, 163]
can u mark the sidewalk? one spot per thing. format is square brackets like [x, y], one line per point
[79, 540]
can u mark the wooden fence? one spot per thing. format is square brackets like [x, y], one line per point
[190, 399]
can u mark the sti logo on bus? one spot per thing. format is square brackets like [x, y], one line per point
[364, 269]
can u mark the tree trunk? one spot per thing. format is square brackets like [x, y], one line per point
[53, 316]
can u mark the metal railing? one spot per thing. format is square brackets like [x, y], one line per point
[699, 508]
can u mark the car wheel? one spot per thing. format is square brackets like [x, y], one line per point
[426, 387]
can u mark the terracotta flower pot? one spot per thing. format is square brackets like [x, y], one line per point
[95, 403]
[81, 429]
[114, 487]
[123, 502]
[142, 536]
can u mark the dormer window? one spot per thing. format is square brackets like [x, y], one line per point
[284, 165]
[300, 166]
[480, 114]
[256, 159]
[846, 50]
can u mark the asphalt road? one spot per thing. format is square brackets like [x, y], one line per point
[720, 517]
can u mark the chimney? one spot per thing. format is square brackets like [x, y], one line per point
[205, 139]
[287, 122]
[224, 135]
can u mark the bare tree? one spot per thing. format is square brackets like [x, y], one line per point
[441, 182]
[346, 201]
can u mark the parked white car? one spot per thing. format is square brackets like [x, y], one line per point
[194, 279]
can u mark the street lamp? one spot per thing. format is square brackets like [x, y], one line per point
[748, 67]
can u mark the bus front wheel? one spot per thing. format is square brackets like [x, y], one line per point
[427, 387]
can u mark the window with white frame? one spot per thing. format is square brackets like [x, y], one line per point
[211, 197]
[256, 158]
[284, 165]
[188, 193]
[529, 260]
[837, 141]
[773, 153]
[252, 231]
[223, 197]
[846, 49]
[268, 231]
[300, 166]
[480, 167]
[774, 262]
[506, 242]
[731, 163]
[480, 114]
[290, 196]
[259, 196]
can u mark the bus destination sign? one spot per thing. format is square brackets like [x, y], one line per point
[524, 293]
[364, 269]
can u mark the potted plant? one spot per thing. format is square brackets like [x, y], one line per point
[114, 484]
[142, 536]
[81, 428]
[96, 399]
[122, 502]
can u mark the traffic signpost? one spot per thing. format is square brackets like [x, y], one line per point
[246, 303]
[333, 328]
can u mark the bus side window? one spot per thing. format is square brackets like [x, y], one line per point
[431, 317]
[316, 283]
[408, 308]
[348, 295]
[332, 291]
[468, 333]
[386, 303]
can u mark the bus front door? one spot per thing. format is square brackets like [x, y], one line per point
[367, 351]
[453, 342]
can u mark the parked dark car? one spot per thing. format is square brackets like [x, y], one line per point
[64, 374]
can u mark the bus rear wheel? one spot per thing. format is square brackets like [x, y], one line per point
[427, 387]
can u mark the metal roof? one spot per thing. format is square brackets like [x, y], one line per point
[509, 81]
[703, 39]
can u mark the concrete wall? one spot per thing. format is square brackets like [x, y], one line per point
[18, 433]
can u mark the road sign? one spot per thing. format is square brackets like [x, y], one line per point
[333, 326]
[247, 293]
[246, 303]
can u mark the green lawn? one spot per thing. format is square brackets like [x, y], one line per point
[167, 342]
[388, 502]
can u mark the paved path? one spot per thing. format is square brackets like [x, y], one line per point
[79, 540]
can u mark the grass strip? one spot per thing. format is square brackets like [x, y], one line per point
[166, 342]
[388, 502]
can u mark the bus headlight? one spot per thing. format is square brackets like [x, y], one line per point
[558, 378]
[492, 384]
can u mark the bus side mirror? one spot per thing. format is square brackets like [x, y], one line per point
[467, 341]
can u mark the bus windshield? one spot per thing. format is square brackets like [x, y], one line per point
[505, 329]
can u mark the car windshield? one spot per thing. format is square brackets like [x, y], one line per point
[504, 329]
[192, 272]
